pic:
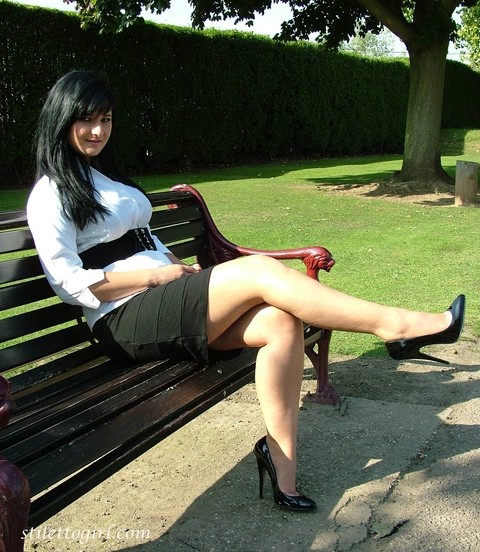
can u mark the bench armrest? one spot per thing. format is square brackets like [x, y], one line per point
[314, 258]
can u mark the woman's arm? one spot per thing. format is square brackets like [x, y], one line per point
[116, 285]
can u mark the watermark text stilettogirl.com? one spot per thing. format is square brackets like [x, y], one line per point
[84, 536]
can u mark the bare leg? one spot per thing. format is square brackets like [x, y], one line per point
[278, 377]
[259, 302]
[241, 284]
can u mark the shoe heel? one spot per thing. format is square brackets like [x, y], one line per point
[261, 475]
[397, 352]
[428, 357]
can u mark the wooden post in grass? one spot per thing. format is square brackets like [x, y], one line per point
[466, 183]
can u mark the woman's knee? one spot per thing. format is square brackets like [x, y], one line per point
[261, 262]
[283, 325]
[251, 269]
[263, 268]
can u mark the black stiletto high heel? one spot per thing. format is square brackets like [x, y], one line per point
[405, 349]
[264, 462]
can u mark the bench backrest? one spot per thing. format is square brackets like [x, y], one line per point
[41, 337]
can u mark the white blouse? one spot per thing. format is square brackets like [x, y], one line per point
[59, 242]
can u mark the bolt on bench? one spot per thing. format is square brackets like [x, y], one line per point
[71, 416]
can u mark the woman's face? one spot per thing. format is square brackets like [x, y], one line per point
[89, 134]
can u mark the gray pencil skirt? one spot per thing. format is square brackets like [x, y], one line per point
[168, 321]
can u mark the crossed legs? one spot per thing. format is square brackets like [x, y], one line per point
[242, 284]
[259, 302]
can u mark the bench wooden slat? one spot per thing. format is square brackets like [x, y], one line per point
[20, 269]
[173, 234]
[88, 406]
[80, 386]
[35, 320]
[171, 197]
[24, 293]
[16, 240]
[27, 385]
[173, 217]
[50, 399]
[13, 219]
[189, 249]
[43, 346]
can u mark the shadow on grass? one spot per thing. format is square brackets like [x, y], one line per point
[385, 189]
[279, 169]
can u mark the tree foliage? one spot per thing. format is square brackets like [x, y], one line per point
[469, 36]
[425, 26]
[113, 15]
[331, 21]
[370, 44]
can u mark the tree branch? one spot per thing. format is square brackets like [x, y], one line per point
[390, 14]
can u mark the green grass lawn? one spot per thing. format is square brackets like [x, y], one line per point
[396, 252]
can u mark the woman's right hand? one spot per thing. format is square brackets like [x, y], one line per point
[171, 272]
[117, 285]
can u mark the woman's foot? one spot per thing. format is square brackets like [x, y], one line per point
[297, 501]
[404, 349]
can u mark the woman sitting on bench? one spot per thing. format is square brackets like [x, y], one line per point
[90, 225]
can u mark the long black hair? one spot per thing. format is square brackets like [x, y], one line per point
[73, 96]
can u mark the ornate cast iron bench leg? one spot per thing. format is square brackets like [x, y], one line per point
[325, 393]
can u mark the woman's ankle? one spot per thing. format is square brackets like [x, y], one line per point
[412, 325]
[285, 468]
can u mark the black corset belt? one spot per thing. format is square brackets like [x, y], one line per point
[103, 254]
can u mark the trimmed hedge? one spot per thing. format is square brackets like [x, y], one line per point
[461, 97]
[196, 98]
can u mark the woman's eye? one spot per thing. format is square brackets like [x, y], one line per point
[106, 119]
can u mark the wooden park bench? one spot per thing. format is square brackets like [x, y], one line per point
[71, 416]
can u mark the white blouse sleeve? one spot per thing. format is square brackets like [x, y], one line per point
[55, 240]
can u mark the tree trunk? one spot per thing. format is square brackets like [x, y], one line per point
[421, 162]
